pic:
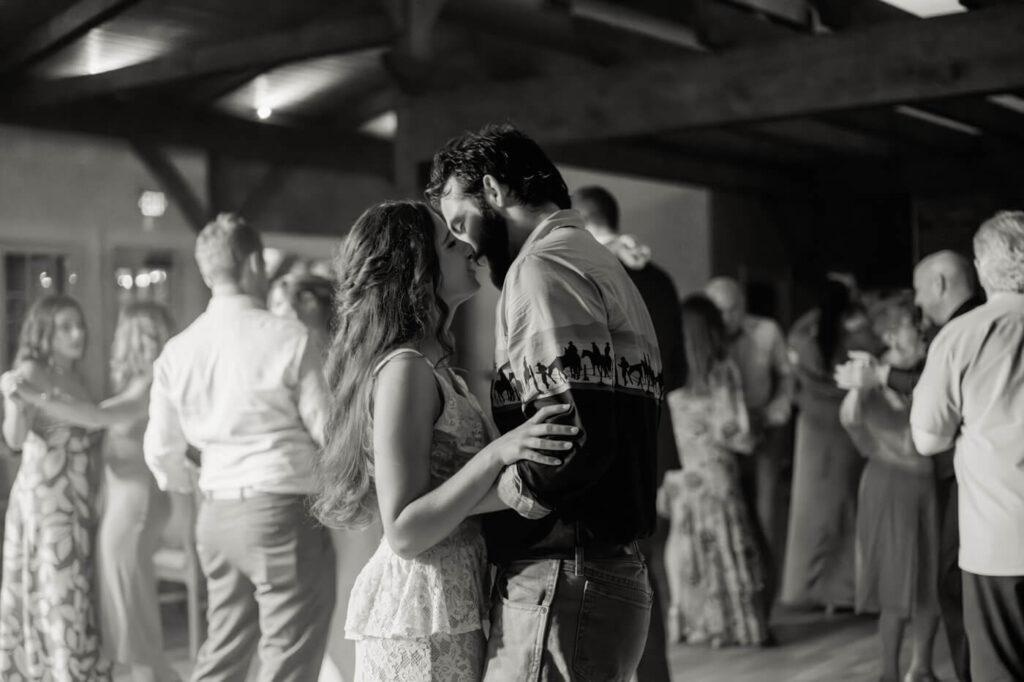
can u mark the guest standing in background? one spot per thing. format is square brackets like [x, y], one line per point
[135, 510]
[819, 564]
[758, 348]
[246, 389]
[601, 218]
[307, 298]
[897, 517]
[48, 623]
[712, 559]
[945, 287]
[971, 396]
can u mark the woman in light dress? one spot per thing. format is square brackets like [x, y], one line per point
[716, 576]
[48, 624]
[897, 519]
[408, 442]
[135, 510]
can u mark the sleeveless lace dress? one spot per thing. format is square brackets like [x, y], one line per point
[48, 629]
[422, 619]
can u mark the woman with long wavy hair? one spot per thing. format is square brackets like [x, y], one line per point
[408, 442]
[48, 628]
[136, 510]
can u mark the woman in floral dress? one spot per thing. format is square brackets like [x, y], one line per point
[407, 441]
[48, 627]
[716, 576]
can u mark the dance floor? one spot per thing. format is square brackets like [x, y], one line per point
[812, 647]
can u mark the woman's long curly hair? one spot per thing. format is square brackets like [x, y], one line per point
[388, 273]
[143, 328]
[35, 342]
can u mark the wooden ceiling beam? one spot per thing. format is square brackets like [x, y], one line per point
[912, 60]
[334, 149]
[60, 30]
[656, 162]
[263, 51]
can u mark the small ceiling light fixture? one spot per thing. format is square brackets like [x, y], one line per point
[264, 112]
[152, 204]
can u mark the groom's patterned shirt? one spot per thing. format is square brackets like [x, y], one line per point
[572, 328]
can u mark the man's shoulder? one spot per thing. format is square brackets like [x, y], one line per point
[978, 322]
[276, 323]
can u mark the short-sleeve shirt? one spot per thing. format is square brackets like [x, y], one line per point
[972, 390]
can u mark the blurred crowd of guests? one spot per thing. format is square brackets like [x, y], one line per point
[837, 413]
[869, 523]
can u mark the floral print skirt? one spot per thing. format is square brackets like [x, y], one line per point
[48, 629]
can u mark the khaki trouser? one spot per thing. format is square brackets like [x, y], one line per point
[270, 580]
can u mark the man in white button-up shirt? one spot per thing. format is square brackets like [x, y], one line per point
[246, 389]
[971, 395]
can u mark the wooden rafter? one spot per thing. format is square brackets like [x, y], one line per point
[904, 61]
[225, 57]
[335, 149]
[658, 163]
[60, 30]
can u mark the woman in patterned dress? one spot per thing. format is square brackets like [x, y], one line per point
[136, 510]
[715, 573]
[406, 440]
[48, 627]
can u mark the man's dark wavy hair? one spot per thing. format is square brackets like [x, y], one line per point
[505, 153]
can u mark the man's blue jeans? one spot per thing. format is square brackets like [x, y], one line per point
[556, 619]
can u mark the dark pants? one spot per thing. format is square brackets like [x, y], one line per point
[760, 478]
[950, 581]
[552, 620]
[994, 617]
[270, 578]
[654, 662]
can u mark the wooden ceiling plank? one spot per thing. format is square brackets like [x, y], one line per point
[912, 60]
[260, 51]
[58, 31]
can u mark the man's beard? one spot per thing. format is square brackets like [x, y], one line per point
[494, 244]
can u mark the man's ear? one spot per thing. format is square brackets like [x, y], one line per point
[495, 192]
[941, 285]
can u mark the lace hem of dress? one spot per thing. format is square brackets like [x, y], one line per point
[442, 591]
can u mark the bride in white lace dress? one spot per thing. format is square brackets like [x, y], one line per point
[408, 441]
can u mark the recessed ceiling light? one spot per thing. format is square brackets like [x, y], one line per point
[264, 112]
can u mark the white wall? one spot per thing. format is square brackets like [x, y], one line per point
[79, 195]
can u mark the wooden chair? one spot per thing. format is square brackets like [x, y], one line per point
[177, 562]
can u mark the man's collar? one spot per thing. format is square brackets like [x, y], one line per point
[970, 304]
[565, 217]
[234, 302]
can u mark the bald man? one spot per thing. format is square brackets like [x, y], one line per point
[945, 287]
[758, 347]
